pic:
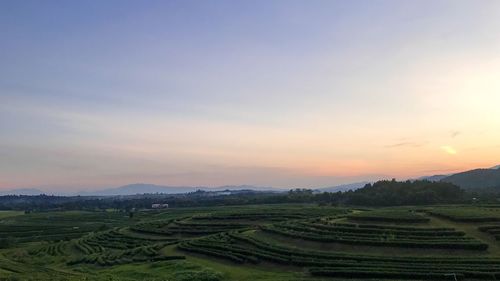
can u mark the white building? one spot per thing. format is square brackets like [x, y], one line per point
[159, 206]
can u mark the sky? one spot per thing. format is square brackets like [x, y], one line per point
[277, 93]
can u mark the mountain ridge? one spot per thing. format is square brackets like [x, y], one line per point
[139, 188]
[343, 187]
[22, 191]
[476, 179]
[145, 188]
[471, 179]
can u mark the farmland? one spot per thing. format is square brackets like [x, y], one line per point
[253, 242]
[468, 214]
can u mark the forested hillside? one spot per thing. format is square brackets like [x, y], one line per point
[476, 179]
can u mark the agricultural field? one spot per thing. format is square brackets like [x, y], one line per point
[390, 215]
[493, 230]
[5, 214]
[468, 214]
[293, 242]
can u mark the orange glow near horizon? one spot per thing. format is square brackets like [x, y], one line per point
[261, 94]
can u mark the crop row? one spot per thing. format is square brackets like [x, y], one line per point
[56, 226]
[385, 227]
[257, 216]
[33, 233]
[242, 248]
[467, 214]
[378, 235]
[259, 243]
[387, 240]
[139, 254]
[155, 227]
[362, 272]
[399, 216]
[273, 214]
[115, 240]
[86, 246]
[190, 223]
[382, 230]
[492, 230]
[10, 266]
[171, 227]
[53, 249]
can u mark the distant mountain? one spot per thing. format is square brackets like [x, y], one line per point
[434, 177]
[143, 188]
[243, 187]
[138, 188]
[476, 179]
[22, 191]
[343, 187]
[496, 167]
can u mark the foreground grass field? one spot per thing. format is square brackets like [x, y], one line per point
[261, 242]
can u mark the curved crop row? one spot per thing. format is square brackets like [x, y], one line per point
[391, 241]
[239, 247]
[493, 230]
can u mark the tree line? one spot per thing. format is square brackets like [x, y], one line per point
[381, 193]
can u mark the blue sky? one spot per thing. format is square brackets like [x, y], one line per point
[284, 93]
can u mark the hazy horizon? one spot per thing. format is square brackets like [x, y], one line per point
[97, 94]
[75, 189]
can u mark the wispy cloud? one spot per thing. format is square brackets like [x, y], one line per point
[405, 144]
[286, 97]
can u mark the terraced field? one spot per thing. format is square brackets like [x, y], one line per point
[56, 226]
[390, 215]
[266, 242]
[468, 214]
[244, 248]
[376, 235]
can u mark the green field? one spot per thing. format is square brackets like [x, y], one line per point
[396, 215]
[257, 242]
[468, 214]
[5, 214]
